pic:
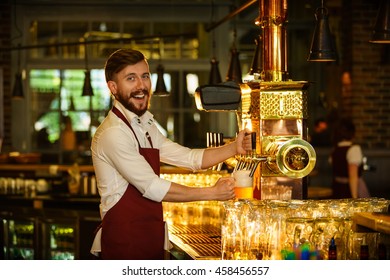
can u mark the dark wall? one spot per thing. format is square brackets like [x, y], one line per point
[5, 64]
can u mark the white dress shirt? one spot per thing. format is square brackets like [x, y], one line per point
[354, 154]
[117, 161]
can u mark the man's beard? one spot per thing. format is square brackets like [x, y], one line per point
[126, 102]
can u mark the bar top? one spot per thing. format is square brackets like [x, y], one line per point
[374, 221]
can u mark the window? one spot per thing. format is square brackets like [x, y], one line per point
[64, 39]
[56, 95]
[57, 75]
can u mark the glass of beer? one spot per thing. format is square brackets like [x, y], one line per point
[243, 184]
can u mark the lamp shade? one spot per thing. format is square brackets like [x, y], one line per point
[87, 87]
[322, 46]
[234, 70]
[17, 91]
[215, 75]
[161, 89]
[257, 61]
[381, 33]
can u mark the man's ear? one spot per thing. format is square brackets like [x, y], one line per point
[112, 86]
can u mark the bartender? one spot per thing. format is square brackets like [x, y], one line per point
[126, 151]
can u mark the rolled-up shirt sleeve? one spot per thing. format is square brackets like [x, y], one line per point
[175, 154]
[157, 189]
[355, 155]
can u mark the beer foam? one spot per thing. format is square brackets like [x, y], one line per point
[242, 178]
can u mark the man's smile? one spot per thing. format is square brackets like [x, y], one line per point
[139, 95]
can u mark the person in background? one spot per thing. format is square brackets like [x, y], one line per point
[127, 149]
[68, 136]
[68, 141]
[347, 163]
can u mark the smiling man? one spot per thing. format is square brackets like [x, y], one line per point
[126, 152]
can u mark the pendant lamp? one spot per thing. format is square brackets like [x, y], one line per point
[71, 104]
[257, 61]
[215, 75]
[87, 87]
[381, 33]
[161, 89]
[234, 71]
[322, 46]
[17, 91]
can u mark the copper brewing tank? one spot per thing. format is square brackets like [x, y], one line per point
[275, 107]
[272, 20]
[271, 105]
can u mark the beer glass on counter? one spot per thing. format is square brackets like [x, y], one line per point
[235, 230]
[243, 184]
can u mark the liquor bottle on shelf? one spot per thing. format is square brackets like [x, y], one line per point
[62, 242]
[21, 239]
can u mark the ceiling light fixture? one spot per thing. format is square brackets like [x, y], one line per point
[87, 87]
[17, 91]
[161, 89]
[215, 75]
[322, 46]
[381, 33]
[257, 61]
[234, 71]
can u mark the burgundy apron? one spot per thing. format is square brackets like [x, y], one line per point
[133, 229]
[340, 169]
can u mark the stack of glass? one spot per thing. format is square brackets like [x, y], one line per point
[276, 229]
[297, 229]
[194, 213]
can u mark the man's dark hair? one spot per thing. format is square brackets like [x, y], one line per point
[119, 59]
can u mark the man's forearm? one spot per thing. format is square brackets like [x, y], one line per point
[215, 155]
[180, 193]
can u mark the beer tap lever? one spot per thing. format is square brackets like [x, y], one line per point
[253, 140]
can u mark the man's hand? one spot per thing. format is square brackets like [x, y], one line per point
[244, 141]
[224, 188]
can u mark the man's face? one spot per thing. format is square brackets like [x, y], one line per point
[132, 87]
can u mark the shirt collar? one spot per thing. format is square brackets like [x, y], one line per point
[145, 119]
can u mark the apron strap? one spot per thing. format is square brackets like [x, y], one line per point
[123, 118]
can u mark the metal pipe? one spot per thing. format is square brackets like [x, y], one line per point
[89, 42]
[273, 19]
[232, 14]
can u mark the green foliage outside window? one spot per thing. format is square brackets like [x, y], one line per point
[57, 93]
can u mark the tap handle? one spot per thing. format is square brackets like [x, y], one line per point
[215, 139]
[220, 137]
[253, 139]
